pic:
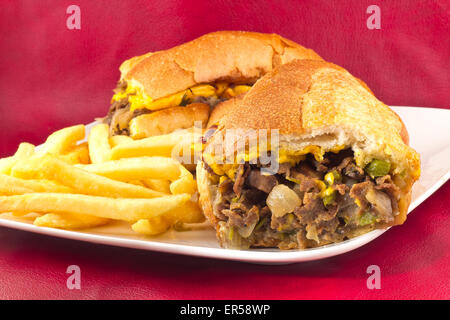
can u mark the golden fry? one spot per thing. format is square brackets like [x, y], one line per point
[185, 183]
[81, 181]
[136, 168]
[24, 151]
[99, 148]
[152, 226]
[76, 155]
[69, 221]
[190, 212]
[8, 190]
[15, 185]
[157, 184]
[62, 140]
[118, 140]
[119, 209]
[137, 183]
[152, 146]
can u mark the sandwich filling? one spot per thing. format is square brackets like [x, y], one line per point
[310, 201]
[130, 102]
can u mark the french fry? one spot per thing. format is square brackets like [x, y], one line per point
[62, 140]
[119, 209]
[152, 226]
[69, 221]
[118, 140]
[190, 212]
[78, 154]
[185, 183]
[99, 148]
[21, 214]
[136, 183]
[8, 190]
[136, 168]
[19, 186]
[24, 151]
[158, 185]
[81, 181]
[152, 146]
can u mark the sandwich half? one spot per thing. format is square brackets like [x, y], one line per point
[163, 91]
[340, 164]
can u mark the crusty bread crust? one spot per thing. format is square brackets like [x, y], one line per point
[234, 56]
[222, 109]
[206, 197]
[319, 103]
[170, 119]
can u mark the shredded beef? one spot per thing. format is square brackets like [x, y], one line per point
[260, 181]
[344, 163]
[243, 202]
[226, 186]
[359, 191]
[312, 206]
[341, 188]
[305, 169]
[386, 185]
[240, 220]
[353, 171]
[284, 168]
[241, 174]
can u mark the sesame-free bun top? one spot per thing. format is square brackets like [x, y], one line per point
[318, 103]
[234, 56]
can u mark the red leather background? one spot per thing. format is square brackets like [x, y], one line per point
[52, 77]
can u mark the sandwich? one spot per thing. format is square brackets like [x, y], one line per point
[340, 165]
[163, 91]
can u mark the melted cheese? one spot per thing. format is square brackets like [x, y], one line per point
[284, 156]
[138, 99]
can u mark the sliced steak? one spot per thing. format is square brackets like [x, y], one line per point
[359, 191]
[386, 185]
[353, 171]
[242, 220]
[260, 181]
[239, 181]
[308, 171]
[312, 206]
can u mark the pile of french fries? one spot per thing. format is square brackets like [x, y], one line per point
[68, 184]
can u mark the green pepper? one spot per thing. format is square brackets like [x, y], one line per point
[260, 223]
[293, 180]
[367, 218]
[378, 168]
[231, 234]
[331, 177]
[328, 199]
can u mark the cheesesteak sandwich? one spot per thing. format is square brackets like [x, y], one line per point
[167, 90]
[343, 164]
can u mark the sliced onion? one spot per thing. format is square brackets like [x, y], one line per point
[380, 201]
[245, 232]
[282, 200]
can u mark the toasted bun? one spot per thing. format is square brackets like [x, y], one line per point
[206, 193]
[222, 109]
[170, 119]
[319, 103]
[234, 56]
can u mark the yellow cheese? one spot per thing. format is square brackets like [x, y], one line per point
[284, 156]
[139, 100]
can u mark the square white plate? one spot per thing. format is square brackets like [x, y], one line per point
[429, 131]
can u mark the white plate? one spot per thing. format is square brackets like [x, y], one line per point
[429, 131]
